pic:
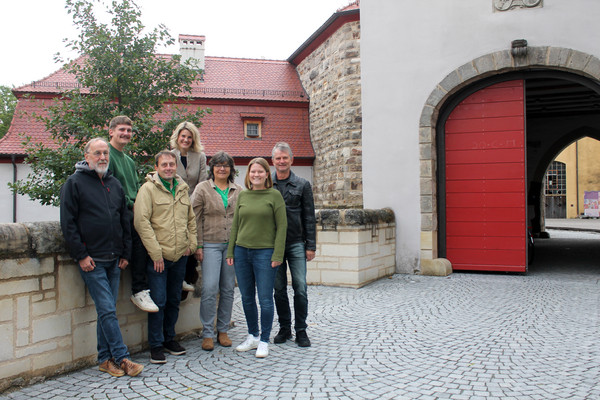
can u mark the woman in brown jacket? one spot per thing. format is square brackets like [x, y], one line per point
[214, 202]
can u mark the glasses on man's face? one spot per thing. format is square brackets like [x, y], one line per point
[100, 153]
[221, 166]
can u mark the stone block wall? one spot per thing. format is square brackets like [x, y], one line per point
[48, 319]
[331, 77]
[354, 247]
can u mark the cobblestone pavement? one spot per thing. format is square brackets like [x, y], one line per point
[466, 336]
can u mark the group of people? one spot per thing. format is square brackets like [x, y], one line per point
[185, 214]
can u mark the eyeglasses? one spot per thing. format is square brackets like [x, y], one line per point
[222, 166]
[99, 153]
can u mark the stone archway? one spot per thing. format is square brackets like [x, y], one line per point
[489, 65]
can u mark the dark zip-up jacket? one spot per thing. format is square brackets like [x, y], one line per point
[300, 209]
[94, 217]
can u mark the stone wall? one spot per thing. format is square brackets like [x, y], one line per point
[47, 317]
[48, 320]
[354, 247]
[331, 77]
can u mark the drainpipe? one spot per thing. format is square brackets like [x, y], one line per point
[13, 159]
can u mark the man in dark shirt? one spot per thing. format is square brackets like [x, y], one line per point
[300, 245]
[97, 230]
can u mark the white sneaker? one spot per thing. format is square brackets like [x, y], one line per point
[250, 343]
[143, 301]
[263, 350]
[187, 287]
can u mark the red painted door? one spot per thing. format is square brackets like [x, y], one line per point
[486, 181]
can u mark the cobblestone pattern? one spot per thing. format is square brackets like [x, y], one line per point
[331, 77]
[466, 336]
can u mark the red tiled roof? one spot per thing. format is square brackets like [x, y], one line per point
[231, 87]
[223, 78]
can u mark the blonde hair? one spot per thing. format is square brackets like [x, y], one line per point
[263, 163]
[196, 145]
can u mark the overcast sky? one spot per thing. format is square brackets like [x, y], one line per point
[32, 31]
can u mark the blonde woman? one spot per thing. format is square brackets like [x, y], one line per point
[191, 167]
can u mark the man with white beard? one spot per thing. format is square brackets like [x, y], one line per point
[96, 225]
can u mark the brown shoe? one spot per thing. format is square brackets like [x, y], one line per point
[111, 367]
[208, 344]
[223, 339]
[131, 368]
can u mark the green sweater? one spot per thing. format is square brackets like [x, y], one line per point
[259, 222]
[123, 168]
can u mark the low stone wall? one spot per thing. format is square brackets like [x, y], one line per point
[48, 320]
[354, 247]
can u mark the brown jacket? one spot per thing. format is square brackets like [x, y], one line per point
[195, 171]
[213, 221]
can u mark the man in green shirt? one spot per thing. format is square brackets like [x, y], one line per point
[120, 130]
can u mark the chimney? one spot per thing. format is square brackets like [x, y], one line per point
[191, 47]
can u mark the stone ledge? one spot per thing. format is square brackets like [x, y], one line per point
[31, 239]
[331, 219]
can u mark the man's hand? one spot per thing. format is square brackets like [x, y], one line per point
[159, 265]
[87, 264]
[199, 255]
[187, 252]
[123, 263]
[310, 255]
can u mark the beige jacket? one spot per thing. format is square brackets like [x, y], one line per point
[212, 219]
[166, 224]
[195, 171]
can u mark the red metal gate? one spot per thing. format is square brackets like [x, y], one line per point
[486, 181]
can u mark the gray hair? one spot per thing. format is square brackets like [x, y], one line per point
[86, 149]
[282, 146]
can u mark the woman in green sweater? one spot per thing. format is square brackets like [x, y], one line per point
[257, 244]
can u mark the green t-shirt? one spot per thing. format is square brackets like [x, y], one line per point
[123, 168]
[259, 222]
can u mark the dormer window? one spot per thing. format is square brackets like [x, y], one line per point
[252, 125]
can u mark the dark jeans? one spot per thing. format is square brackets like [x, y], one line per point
[295, 259]
[103, 284]
[254, 273]
[137, 264]
[165, 290]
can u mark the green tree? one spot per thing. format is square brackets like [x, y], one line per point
[8, 102]
[118, 73]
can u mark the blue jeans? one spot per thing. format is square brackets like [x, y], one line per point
[295, 259]
[254, 273]
[218, 278]
[103, 284]
[165, 290]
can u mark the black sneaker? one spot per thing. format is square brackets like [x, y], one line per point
[302, 339]
[283, 335]
[174, 348]
[157, 355]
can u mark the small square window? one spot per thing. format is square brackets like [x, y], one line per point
[252, 129]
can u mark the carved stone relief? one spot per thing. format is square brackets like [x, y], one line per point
[505, 5]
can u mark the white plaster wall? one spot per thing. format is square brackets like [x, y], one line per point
[27, 210]
[407, 48]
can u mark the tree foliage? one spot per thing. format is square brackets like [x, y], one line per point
[8, 102]
[118, 73]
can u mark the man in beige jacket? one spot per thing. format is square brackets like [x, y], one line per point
[165, 221]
